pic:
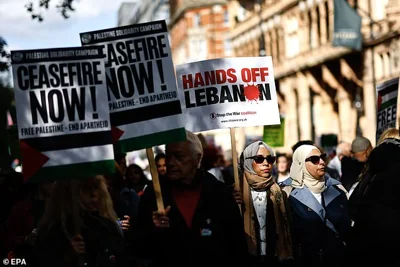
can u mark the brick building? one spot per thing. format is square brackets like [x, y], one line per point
[199, 30]
[322, 89]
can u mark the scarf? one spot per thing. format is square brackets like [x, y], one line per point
[283, 247]
[299, 173]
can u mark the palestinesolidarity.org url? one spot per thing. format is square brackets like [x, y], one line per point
[233, 120]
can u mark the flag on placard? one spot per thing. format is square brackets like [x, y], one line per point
[145, 110]
[63, 119]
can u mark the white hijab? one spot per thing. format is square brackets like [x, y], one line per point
[299, 173]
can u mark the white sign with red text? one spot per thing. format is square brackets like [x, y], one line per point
[227, 93]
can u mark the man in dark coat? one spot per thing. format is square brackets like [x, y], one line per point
[375, 206]
[201, 225]
[353, 166]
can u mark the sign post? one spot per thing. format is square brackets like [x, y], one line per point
[228, 93]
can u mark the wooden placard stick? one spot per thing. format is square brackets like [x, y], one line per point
[235, 162]
[156, 181]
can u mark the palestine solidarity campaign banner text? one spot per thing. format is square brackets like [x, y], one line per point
[227, 93]
[63, 118]
[142, 97]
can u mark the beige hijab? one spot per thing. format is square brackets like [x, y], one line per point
[299, 173]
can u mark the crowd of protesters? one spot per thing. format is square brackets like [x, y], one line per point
[302, 209]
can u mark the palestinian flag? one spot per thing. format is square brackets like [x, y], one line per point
[148, 126]
[144, 105]
[387, 94]
[67, 156]
[64, 127]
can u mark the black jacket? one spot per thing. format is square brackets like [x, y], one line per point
[351, 169]
[376, 211]
[180, 246]
[104, 244]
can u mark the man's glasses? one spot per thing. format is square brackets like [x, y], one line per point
[260, 159]
[315, 159]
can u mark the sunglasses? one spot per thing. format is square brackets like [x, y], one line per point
[315, 159]
[260, 159]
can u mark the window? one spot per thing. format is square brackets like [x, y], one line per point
[310, 30]
[196, 20]
[227, 48]
[198, 49]
[226, 17]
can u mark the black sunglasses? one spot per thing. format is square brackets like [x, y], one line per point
[315, 159]
[260, 159]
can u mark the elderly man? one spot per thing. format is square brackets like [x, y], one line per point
[201, 224]
[352, 166]
[342, 150]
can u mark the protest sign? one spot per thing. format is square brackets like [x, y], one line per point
[226, 93]
[274, 135]
[63, 118]
[387, 94]
[144, 105]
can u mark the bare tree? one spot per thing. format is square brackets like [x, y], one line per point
[35, 8]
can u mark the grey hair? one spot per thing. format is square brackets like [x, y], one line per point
[195, 146]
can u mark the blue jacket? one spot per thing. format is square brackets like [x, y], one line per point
[319, 229]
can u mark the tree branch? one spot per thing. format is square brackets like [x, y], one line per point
[64, 7]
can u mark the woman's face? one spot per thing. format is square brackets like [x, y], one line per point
[282, 164]
[263, 169]
[133, 175]
[315, 164]
[90, 195]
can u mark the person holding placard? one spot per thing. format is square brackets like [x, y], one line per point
[201, 225]
[266, 213]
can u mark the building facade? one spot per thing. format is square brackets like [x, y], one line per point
[144, 11]
[199, 30]
[126, 11]
[322, 89]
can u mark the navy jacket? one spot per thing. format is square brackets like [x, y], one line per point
[319, 229]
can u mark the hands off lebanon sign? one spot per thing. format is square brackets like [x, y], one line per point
[63, 120]
[230, 92]
[141, 88]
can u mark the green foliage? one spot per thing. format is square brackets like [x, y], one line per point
[64, 7]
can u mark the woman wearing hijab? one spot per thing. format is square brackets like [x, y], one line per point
[319, 211]
[265, 211]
